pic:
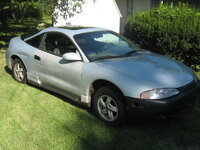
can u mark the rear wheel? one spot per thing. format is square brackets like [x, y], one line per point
[19, 71]
[109, 107]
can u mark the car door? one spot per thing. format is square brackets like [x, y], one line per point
[52, 69]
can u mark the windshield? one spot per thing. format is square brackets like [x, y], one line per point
[104, 44]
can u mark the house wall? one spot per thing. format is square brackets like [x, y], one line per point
[110, 14]
[195, 3]
[141, 5]
[128, 7]
[155, 3]
[101, 13]
[122, 5]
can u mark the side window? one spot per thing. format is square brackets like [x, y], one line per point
[35, 42]
[58, 44]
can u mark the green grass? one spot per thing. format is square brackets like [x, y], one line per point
[32, 118]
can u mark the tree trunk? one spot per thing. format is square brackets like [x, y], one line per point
[4, 18]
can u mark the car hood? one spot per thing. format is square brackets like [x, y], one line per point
[153, 70]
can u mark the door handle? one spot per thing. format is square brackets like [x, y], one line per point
[37, 57]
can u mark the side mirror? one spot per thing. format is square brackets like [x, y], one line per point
[71, 56]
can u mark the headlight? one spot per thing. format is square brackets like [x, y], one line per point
[159, 93]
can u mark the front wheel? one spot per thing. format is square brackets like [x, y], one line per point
[19, 71]
[109, 107]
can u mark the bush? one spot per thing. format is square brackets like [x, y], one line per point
[169, 30]
[34, 12]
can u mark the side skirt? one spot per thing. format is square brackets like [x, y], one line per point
[72, 97]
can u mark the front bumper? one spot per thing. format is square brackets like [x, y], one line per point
[169, 106]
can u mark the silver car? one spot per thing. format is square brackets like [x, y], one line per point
[101, 69]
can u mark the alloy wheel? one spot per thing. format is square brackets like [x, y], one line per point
[19, 72]
[107, 108]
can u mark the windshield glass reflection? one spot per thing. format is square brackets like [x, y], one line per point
[104, 44]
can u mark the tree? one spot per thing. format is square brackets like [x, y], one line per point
[15, 9]
[18, 9]
[63, 8]
[4, 8]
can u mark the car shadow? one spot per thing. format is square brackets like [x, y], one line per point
[133, 119]
[65, 99]
[8, 70]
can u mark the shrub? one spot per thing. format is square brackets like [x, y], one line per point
[34, 12]
[2, 43]
[169, 30]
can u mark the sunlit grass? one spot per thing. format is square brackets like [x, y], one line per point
[32, 118]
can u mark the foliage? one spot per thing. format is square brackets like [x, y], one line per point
[3, 43]
[16, 10]
[170, 30]
[63, 8]
[198, 74]
[26, 25]
[34, 10]
[4, 7]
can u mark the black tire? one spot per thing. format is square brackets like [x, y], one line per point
[19, 74]
[115, 116]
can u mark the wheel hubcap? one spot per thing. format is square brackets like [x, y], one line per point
[107, 108]
[19, 72]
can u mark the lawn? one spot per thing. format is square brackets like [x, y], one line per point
[32, 118]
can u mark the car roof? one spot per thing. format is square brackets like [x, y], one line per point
[71, 31]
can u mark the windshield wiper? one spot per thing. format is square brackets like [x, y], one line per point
[125, 55]
[105, 57]
[131, 52]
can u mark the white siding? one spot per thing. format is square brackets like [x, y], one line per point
[106, 14]
[102, 13]
[128, 7]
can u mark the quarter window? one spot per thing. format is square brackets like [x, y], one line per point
[35, 42]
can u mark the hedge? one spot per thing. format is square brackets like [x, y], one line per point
[170, 30]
